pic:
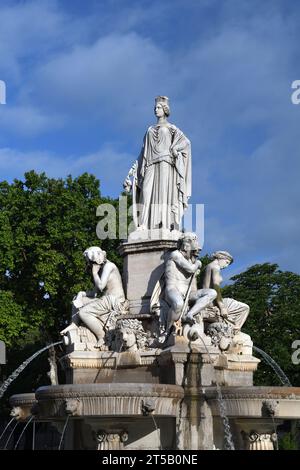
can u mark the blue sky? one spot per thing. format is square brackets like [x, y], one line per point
[82, 76]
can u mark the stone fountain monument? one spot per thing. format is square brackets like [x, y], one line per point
[154, 361]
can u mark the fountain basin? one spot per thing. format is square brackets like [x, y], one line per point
[250, 402]
[98, 400]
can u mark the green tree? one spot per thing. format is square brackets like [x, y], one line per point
[45, 225]
[288, 442]
[274, 319]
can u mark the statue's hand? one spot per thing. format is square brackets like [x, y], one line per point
[127, 185]
[96, 268]
[133, 169]
[81, 293]
[174, 152]
[198, 264]
[224, 312]
[72, 326]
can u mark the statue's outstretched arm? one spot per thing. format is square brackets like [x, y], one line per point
[127, 185]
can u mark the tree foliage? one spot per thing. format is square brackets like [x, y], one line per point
[45, 225]
[274, 319]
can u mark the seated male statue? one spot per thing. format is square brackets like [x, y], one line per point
[181, 294]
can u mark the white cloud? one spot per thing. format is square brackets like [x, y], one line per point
[28, 29]
[109, 164]
[112, 78]
[230, 92]
[27, 121]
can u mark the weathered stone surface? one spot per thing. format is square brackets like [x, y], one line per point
[110, 399]
[248, 401]
[143, 266]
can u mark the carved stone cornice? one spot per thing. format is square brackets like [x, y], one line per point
[109, 390]
[107, 360]
[172, 357]
[263, 393]
[239, 366]
[86, 363]
[146, 246]
[236, 362]
[26, 399]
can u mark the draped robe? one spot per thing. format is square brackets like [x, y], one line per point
[163, 182]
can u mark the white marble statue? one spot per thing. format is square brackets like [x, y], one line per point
[180, 292]
[129, 335]
[222, 319]
[98, 314]
[161, 179]
[228, 310]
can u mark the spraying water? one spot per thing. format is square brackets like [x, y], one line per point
[277, 369]
[275, 432]
[18, 371]
[228, 441]
[117, 361]
[63, 433]
[10, 436]
[157, 430]
[33, 436]
[6, 427]
[23, 430]
[280, 374]
[229, 445]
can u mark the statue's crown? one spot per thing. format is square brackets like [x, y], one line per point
[162, 99]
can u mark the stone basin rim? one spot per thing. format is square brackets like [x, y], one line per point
[266, 392]
[107, 390]
[22, 398]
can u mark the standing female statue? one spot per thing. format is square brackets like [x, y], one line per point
[161, 184]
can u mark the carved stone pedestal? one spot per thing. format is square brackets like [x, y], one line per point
[235, 369]
[144, 260]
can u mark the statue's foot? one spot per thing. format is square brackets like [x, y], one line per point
[99, 344]
[224, 343]
[188, 319]
[162, 338]
[69, 328]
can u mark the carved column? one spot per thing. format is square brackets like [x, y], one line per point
[259, 441]
[259, 433]
[111, 440]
